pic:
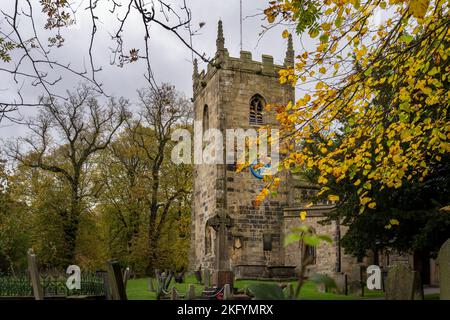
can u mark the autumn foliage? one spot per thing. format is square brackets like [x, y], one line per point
[377, 75]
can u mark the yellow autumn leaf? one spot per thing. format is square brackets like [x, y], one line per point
[333, 197]
[309, 205]
[394, 222]
[303, 215]
[319, 85]
[285, 34]
[418, 8]
[322, 180]
[372, 205]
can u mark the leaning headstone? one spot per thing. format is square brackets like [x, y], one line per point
[403, 284]
[34, 274]
[207, 278]
[116, 283]
[290, 291]
[227, 295]
[444, 270]
[190, 295]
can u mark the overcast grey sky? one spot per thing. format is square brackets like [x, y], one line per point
[170, 59]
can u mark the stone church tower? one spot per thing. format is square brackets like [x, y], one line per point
[228, 232]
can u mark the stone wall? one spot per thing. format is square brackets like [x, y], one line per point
[205, 181]
[326, 253]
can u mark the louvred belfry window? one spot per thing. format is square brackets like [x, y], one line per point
[256, 110]
[205, 118]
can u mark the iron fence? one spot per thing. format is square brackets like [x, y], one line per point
[53, 285]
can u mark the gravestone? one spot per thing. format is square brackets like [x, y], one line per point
[34, 275]
[444, 270]
[290, 291]
[227, 295]
[116, 283]
[403, 284]
[354, 279]
[341, 283]
[190, 295]
[126, 276]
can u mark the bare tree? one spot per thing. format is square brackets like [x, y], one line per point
[75, 129]
[31, 32]
[162, 110]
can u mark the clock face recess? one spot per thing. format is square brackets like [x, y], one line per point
[260, 169]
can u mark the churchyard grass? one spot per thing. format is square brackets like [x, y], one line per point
[137, 289]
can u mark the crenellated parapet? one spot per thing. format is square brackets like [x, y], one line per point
[244, 63]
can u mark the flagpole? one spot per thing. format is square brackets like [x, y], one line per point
[240, 14]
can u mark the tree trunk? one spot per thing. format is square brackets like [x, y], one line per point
[71, 223]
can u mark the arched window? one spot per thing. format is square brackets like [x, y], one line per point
[256, 109]
[205, 118]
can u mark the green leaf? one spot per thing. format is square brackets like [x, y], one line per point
[311, 240]
[313, 33]
[324, 237]
[324, 38]
[368, 72]
[292, 238]
[406, 38]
